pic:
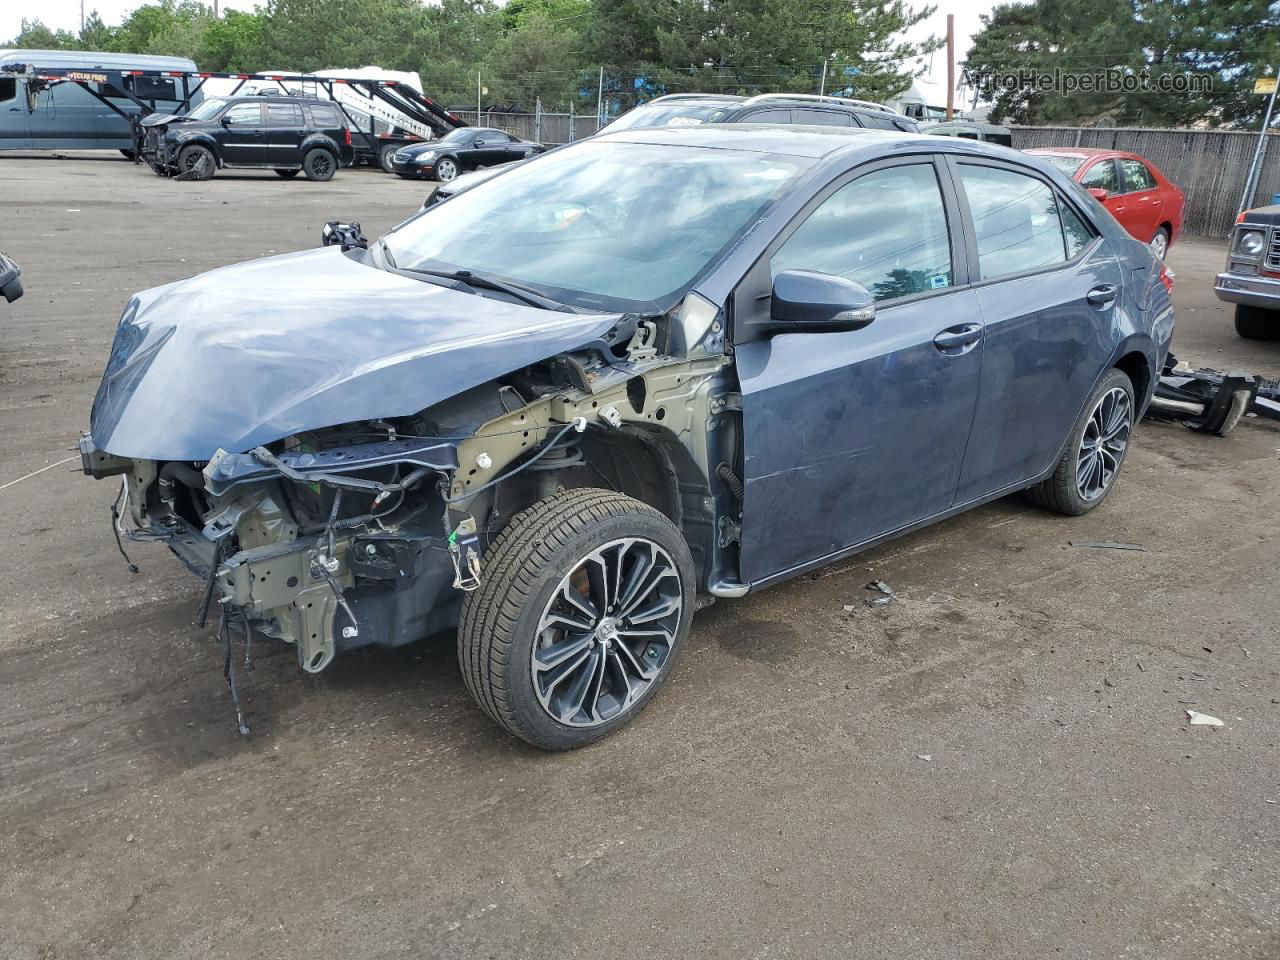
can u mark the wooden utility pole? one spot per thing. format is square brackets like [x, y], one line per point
[951, 64]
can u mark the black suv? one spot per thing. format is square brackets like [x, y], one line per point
[285, 134]
[683, 109]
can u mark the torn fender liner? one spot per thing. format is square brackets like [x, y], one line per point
[245, 355]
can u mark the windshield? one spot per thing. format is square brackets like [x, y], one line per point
[600, 225]
[453, 136]
[207, 109]
[672, 114]
[1068, 165]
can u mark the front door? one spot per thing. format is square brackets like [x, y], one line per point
[1047, 288]
[241, 136]
[852, 435]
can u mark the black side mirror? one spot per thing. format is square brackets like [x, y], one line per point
[225, 121]
[808, 301]
[347, 235]
[10, 284]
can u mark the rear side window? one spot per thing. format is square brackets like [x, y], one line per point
[768, 116]
[1016, 220]
[1074, 230]
[886, 230]
[1101, 176]
[284, 115]
[325, 115]
[8, 88]
[1136, 176]
[824, 118]
[878, 123]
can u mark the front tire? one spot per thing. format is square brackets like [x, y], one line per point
[319, 165]
[199, 159]
[1095, 452]
[585, 601]
[287, 174]
[447, 169]
[1254, 323]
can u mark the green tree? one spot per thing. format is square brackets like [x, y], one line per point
[34, 35]
[1222, 43]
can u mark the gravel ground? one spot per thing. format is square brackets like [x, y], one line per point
[995, 765]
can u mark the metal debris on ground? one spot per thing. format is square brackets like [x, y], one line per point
[924, 756]
[1107, 545]
[1211, 401]
[882, 588]
[1199, 719]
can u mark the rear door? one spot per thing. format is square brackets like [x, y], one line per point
[1039, 265]
[241, 135]
[282, 134]
[1142, 195]
[852, 435]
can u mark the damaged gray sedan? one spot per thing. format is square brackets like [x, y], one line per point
[651, 369]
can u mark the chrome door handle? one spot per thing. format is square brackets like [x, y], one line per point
[954, 338]
[1102, 294]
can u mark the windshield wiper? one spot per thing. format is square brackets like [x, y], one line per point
[481, 282]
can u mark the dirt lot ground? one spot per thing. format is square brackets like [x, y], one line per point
[996, 765]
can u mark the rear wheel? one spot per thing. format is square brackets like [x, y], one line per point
[1095, 451]
[385, 156]
[287, 174]
[1254, 323]
[446, 169]
[1160, 243]
[197, 161]
[319, 164]
[128, 154]
[585, 600]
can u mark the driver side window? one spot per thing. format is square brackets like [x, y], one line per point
[1102, 176]
[886, 230]
[244, 114]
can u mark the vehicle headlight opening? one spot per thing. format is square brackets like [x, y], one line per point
[1251, 242]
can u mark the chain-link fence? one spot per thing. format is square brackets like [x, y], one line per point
[1209, 166]
[549, 128]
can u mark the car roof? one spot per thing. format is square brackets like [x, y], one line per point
[277, 97]
[797, 140]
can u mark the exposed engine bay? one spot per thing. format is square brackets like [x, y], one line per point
[370, 532]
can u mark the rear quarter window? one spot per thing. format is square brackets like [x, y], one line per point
[768, 116]
[323, 115]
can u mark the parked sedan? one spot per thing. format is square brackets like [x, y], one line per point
[1142, 198]
[696, 361]
[460, 150]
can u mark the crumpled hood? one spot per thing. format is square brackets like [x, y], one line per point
[159, 119]
[248, 354]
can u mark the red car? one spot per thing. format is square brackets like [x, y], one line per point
[1130, 186]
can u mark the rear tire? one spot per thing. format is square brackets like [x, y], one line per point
[1254, 323]
[319, 165]
[128, 154]
[385, 157]
[1160, 243]
[553, 644]
[190, 157]
[287, 174]
[1090, 465]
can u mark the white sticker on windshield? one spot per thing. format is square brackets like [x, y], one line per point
[684, 122]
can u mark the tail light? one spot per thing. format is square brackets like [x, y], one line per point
[346, 136]
[1167, 277]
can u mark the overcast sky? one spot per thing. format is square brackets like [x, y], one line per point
[65, 15]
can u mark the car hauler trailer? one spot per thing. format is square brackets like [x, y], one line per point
[414, 105]
[95, 109]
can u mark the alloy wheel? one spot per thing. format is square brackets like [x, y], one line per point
[1160, 245]
[1102, 445]
[606, 633]
[446, 170]
[321, 164]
